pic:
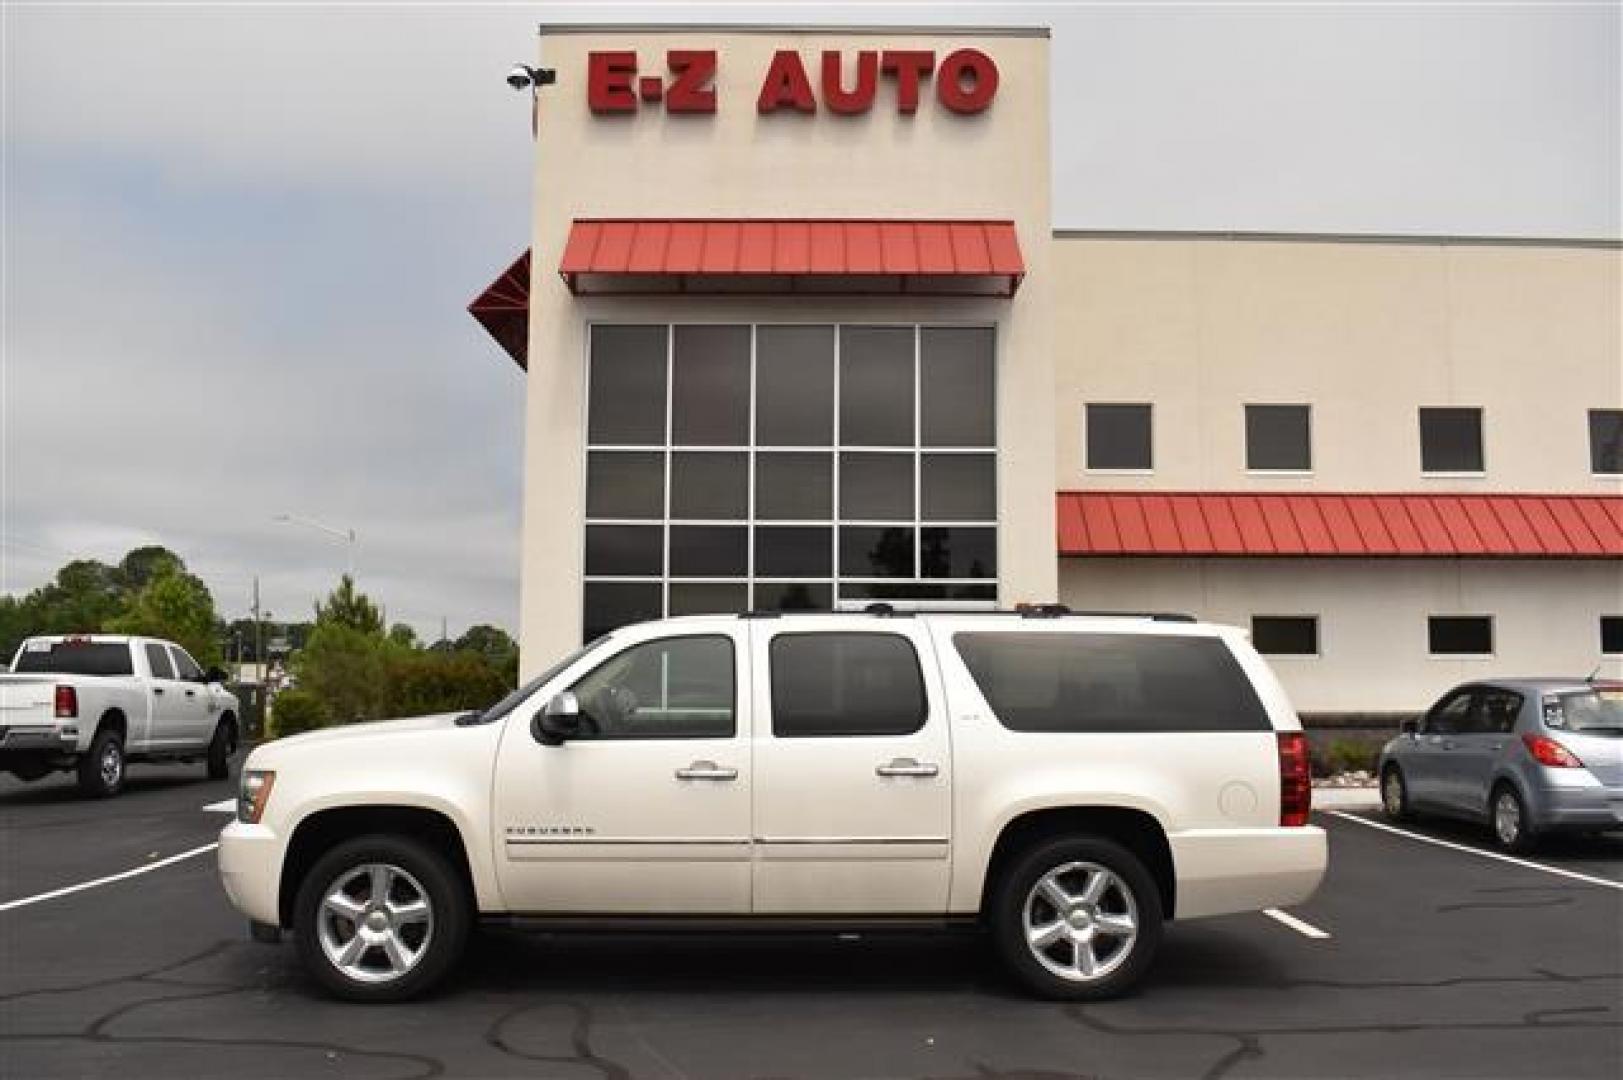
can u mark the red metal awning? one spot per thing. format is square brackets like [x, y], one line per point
[792, 256]
[503, 309]
[1361, 525]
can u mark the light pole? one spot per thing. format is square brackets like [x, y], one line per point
[346, 535]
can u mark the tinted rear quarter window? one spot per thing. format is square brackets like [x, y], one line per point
[1093, 682]
[76, 658]
[831, 684]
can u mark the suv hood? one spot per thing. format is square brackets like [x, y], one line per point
[363, 732]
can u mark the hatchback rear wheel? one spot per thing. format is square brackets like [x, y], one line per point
[1512, 829]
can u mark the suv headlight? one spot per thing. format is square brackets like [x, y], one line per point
[254, 794]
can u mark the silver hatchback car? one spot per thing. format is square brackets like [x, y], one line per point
[1526, 756]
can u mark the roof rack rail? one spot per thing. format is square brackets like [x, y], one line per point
[883, 610]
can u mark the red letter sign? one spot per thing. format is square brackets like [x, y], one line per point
[692, 91]
[608, 82]
[786, 84]
[909, 67]
[949, 81]
[835, 95]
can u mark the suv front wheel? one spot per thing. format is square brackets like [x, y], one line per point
[1077, 919]
[381, 918]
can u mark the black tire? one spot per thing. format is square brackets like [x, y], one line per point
[221, 748]
[1395, 803]
[1514, 831]
[1132, 891]
[425, 869]
[101, 768]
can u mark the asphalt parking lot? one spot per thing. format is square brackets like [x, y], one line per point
[1439, 962]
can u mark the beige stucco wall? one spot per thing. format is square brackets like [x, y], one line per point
[736, 163]
[1372, 616]
[1365, 332]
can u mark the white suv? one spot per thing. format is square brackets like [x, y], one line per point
[1066, 782]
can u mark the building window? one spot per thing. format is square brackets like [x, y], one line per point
[736, 467]
[1611, 635]
[1606, 441]
[1451, 440]
[1460, 635]
[1118, 437]
[1278, 438]
[1285, 635]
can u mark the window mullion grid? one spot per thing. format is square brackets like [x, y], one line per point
[670, 435]
[749, 511]
[918, 440]
[834, 463]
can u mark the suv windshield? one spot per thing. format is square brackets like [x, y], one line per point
[511, 701]
[75, 658]
[1598, 711]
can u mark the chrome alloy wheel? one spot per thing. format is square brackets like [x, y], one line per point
[375, 922]
[1081, 921]
[1507, 819]
[112, 763]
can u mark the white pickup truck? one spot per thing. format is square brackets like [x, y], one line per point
[91, 703]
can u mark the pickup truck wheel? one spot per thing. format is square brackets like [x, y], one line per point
[1077, 919]
[101, 769]
[381, 918]
[221, 747]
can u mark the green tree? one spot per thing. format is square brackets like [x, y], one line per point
[491, 642]
[85, 596]
[347, 671]
[348, 608]
[176, 606]
[403, 635]
[143, 565]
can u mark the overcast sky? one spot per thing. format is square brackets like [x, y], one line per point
[239, 241]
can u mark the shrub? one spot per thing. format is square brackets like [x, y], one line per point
[294, 711]
[434, 682]
[1346, 755]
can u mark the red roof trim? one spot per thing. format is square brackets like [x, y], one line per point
[850, 256]
[503, 309]
[1345, 525]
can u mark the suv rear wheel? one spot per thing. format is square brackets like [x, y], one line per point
[381, 918]
[1077, 918]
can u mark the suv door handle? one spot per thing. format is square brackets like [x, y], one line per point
[157, 689]
[706, 770]
[906, 766]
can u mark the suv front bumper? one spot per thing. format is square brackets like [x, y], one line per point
[250, 869]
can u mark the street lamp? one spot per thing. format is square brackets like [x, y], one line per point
[346, 535]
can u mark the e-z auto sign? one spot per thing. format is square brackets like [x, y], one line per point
[964, 81]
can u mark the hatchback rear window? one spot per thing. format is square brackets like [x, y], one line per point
[1111, 682]
[1596, 712]
[75, 658]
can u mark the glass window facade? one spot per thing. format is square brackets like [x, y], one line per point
[788, 467]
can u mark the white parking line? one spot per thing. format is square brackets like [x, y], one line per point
[1587, 878]
[224, 806]
[83, 885]
[1306, 929]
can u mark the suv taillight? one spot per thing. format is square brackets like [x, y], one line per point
[1295, 780]
[1549, 753]
[67, 702]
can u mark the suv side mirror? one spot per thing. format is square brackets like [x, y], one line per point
[558, 721]
[215, 675]
[1409, 727]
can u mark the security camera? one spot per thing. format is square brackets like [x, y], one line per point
[523, 76]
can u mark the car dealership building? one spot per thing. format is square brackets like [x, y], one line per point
[798, 332]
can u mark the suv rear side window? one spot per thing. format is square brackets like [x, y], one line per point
[835, 684]
[1085, 682]
[75, 658]
[158, 661]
